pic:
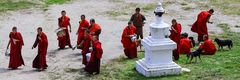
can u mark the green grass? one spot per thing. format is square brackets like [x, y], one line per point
[227, 6]
[224, 65]
[10, 5]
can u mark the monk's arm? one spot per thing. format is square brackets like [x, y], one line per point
[8, 44]
[59, 23]
[208, 20]
[36, 42]
[70, 27]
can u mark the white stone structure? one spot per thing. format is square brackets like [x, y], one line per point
[158, 50]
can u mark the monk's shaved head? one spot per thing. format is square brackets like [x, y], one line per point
[211, 11]
[14, 29]
[63, 12]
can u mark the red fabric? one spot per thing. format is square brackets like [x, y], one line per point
[97, 51]
[184, 46]
[94, 29]
[200, 26]
[64, 40]
[176, 36]
[16, 59]
[64, 21]
[40, 60]
[208, 47]
[86, 44]
[82, 26]
[130, 48]
[96, 55]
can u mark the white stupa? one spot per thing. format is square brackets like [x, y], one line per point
[158, 50]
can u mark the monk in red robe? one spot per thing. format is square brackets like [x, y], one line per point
[138, 21]
[42, 43]
[94, 28]
[95, 59]
[84, 45]
[175, 31]
[130, 48]
[200, 26]
[16, 42]
[64, 22]
[83, 25]
[185, 44]
[208, 46]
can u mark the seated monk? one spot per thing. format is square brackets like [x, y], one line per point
[207, 46]
[185, 44]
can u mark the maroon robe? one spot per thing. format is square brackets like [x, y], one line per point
[176, 36]
[63, 22]
[16, 59]
[200, 26]
[95, 59]
[40, 60]
[138, 20]
[85, 48]
[82, 26]
[130, 48]
[208, 47]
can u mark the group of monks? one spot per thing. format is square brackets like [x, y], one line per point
[184, 44]
[132, 32]
[16, 42]
[87, 41]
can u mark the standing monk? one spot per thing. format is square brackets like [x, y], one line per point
[84, 45]
[83, 25]
[95, 59]
[42, 42]
[16, 42]
[94, 28]
[64, 22]
[130, 48]
[200, 26]
[138, 21]
[175, 31]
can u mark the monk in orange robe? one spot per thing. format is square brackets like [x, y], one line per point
[208, 46]
[64, 22]
[95, 59]
[84, 45]
[83, 25]
[16, 42]
[185, 44]
[94, 28]
[175, 31]
[200, 26]
[42, 43]
[138, 21]
[130, 48]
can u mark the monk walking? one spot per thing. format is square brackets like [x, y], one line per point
[16, 42]
[130, 48]
[64, 22]
[95, 59]
[42, 43]
[138, 21]
[200, 26]
[94, 28]
[83, 25]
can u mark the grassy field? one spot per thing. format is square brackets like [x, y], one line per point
[224, 65]
[6, 5]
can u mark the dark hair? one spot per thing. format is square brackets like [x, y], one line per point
[83, 15]
[184, 35]
[87, 30]
[129, 22]
[63, 11]
[211, 10]
[39, 28]
[92, 20]
[14, 27]
[137, 9]
[174, 20]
